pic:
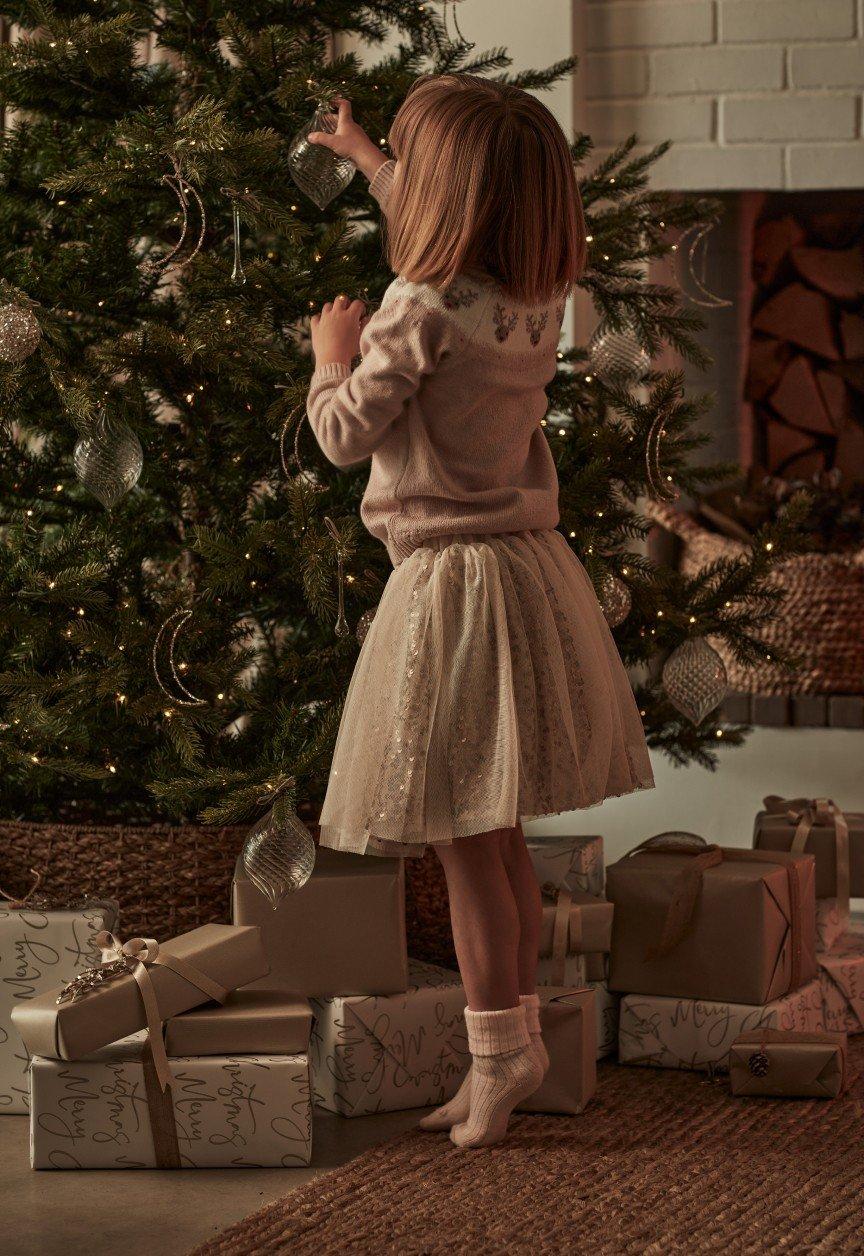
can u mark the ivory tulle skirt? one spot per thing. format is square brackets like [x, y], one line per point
[488, 689]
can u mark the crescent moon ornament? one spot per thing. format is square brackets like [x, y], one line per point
[662, 487]
[170, 630]
[183, 190]
[705, 298]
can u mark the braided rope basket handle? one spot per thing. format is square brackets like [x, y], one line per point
[675, 521]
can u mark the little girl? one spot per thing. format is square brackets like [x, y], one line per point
[488, 687]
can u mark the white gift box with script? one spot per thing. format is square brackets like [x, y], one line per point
[230, 1112]
[607, 1017]
[39, 950]
[383, 1053]
[576, 862]
[698, 1033]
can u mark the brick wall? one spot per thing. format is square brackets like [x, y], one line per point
[755, 93]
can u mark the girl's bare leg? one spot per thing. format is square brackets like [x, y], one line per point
[485, 919]
[526, 893]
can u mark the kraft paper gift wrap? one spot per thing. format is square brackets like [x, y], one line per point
[818, 826]
[246, 1111]
[841, 975]
[787, 1064]
[40, 949]
[249, 1022]
[576, 862]
[568, 1020]
[731, 925]
[342, 933]
[698, 1033]
[227, 955]
[575, 936]
[383, 1053]
[607, 1004]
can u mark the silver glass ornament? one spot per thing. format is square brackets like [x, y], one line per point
[695, 680]
[237, 274]
[617, 357]
[364, 623]
[20, 333]
[279, 854]
[615, 600]
[108, 460]
[318, 172]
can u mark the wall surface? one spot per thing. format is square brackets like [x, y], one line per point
[755, 93]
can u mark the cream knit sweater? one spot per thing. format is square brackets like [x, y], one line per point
[447, 400]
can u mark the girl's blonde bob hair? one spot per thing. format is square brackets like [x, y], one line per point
[484, 182]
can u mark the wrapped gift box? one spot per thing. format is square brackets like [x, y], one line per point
[841, 976]
[831, 923]
[698, 1033]
[568, 1020]
[575, 936]
[576, 862]
[789, 1065]
[342, 933]
[728, 925]
[607, 1004]
[229, 956]
[815, 821]
[383, 1053]
[244, 1111]
[40, 950]
[249, 1022]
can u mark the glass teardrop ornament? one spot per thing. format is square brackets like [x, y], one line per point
[279, 854]
[318, 172]
[695, 679]
[108, 460]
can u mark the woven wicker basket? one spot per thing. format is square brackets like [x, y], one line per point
[821, 620]
[171, 878]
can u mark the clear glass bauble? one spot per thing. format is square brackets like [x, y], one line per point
[617, 357]
[318, 172]
[279, 854]
[108, 460]
[615, 600]
[20, 333]
[695, 679]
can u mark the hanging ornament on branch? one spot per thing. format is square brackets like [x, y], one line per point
[279, 854]
[617, 357]
[185, 248]
[169, 631]
[108, 460]
[341, 626]
[660, 486]
[695, 679]
[20, 333]
[615, 599]
[696, 251]
[318, 172]
[460, 43]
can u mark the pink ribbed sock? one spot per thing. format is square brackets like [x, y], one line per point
[504, 1071]
[456, 1110]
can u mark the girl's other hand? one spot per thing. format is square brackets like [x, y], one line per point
[336, 331]
[350, 140]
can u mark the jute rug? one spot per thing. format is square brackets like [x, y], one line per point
[660, 1162]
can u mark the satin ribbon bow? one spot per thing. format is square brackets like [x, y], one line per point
[805, 813]
[138, 955]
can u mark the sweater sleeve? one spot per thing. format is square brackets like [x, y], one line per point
[350, 412]
[381, 183]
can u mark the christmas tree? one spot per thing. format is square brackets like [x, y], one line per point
[183, 574]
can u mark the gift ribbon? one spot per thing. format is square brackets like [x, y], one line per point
[679, 915]
[804, 813]
[142, 953]
[160, 1108]
[566, 931]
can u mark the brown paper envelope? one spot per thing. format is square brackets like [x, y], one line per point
[250, 1022]
[773, 831]
[800, 1064]
[568, 1019]
[229, 955]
